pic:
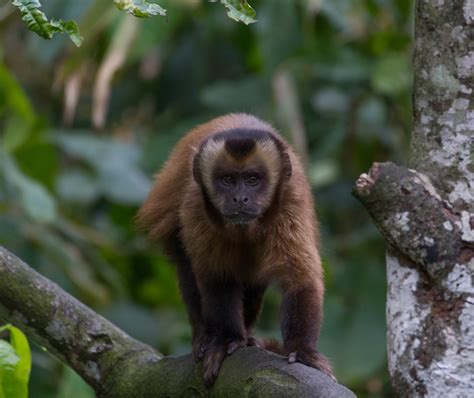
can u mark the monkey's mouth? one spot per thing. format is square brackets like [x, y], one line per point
[240, 217]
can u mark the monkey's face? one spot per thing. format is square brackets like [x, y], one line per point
[239, 171]
[240, 193]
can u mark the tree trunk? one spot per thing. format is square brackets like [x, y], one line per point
[426, 213]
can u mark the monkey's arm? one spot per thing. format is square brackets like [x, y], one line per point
[301, 320]
[224, 329]
[189, 290]
[192, 299]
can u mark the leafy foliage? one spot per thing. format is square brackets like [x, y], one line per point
[239, 10]
[140, 8]
[33, 197]
[15, 364]
[116, 169]
[36, 20]
[73, 386]
[38, 23]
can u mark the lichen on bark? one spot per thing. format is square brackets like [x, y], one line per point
[442, 144]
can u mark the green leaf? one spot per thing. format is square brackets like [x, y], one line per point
[69, 27]
[227, 95]
[16, 132]
[37, 22]
[362, 321]
[323, 172]
[239, 10]
[279, 32]
[8, 361]
[392, 74]
[34, 198]
[13, 96]
[116, 164]
[76, 186]
[19, 115]
[71, 262]
[140, 8]
[23, 368]
[8, 357]
[15, 364]
[72, 385]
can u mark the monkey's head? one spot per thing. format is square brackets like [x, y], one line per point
[239, 172]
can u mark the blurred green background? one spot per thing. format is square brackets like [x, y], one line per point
[82, 131]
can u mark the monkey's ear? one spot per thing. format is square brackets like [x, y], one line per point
[197, 168]
[286, 165]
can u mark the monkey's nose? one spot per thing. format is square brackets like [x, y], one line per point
[240, 199]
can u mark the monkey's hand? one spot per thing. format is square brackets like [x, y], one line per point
[314, 359]
[199, 346]
[213, 356]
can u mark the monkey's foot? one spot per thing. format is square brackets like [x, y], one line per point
[314, 359]
[214, 354]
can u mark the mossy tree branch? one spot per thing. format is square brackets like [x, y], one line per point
[72, 332]
[117, 366]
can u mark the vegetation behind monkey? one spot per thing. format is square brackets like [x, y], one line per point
[234, 211]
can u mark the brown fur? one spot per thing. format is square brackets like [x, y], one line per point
[280, 247]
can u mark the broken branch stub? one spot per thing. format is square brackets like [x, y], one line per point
[411, 216]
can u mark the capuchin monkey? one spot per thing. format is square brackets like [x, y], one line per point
[233, 210]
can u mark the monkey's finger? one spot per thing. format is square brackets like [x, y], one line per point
[234, 346]
[200, 354]
[211, 366]
[203, 348]
[292, 357]
[209, 379]
[315, 360]
[252, 341]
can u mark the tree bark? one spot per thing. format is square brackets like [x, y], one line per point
[426, 213]
[117, 366]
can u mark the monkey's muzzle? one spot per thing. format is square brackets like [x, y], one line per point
[240, 217]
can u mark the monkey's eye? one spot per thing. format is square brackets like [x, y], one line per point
[253, 180]
[227, 180]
